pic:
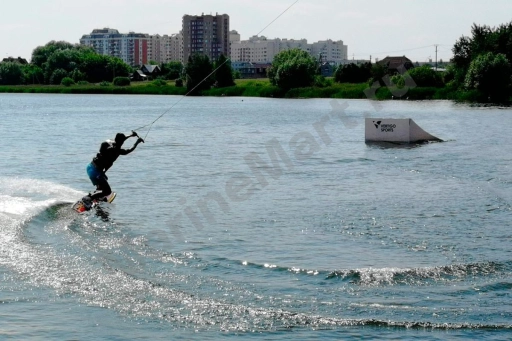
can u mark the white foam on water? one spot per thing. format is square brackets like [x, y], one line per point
[20, 200]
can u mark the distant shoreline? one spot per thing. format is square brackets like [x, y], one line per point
[248, 88]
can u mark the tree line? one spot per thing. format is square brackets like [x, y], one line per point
[481, 66]
[58, 60]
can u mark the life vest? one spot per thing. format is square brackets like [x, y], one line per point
[107, 155]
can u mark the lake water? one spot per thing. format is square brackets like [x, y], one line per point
[254, 218]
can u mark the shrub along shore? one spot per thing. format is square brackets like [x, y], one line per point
[251, 88]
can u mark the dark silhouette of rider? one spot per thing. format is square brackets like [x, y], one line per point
[108, 154]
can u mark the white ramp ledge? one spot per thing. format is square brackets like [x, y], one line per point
[396, 130]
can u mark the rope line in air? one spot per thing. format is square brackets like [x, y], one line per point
[150, 125]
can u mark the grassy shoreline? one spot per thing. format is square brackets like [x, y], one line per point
[249, 88]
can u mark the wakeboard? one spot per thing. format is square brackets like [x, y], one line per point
[84, 205]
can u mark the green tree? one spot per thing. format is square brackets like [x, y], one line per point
[398, 80]
[67, 81]
[352, 73]
[197, 73]
[378, 72]
[322, 82]
[293, 68]
[32, 74]
[490, 74]
[57, 76]
[172, 70]
[503, 40]
[236, 74]
[41, 53]
[79, 62]
[67, 60]
[95, 66]
[77, 75]
[116, 67]
[121, 81]
[483, 39]
[10, 73]
[425, 76]
[224, 73]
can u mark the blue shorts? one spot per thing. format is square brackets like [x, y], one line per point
[95, 175]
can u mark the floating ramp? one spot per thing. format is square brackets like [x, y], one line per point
[396, 130]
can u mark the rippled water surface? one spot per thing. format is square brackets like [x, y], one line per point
[254, 218]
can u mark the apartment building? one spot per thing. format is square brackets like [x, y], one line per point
[234, 36]
[209, 35]
[133, 48]
[329, 51]
[259, 49]
[164, 49]
[206, 34]
[155, 47]
[174, 48]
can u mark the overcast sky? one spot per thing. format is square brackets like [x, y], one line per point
[372, 27]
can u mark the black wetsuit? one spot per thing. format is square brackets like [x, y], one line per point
[108, 154]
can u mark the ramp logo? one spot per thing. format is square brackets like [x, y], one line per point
[387, 128]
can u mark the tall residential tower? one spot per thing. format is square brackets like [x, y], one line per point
[206, 34]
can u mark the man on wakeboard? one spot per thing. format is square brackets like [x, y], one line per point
[109, 152]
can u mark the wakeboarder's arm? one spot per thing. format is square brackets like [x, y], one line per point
[133, 134]
[128, 151]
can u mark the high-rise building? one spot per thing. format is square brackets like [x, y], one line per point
[206, 34]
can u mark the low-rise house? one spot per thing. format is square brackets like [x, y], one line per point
[151, 71]
[327, 69]
[261, 69]
[138, 75]
[394, 64]
[251, 70]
